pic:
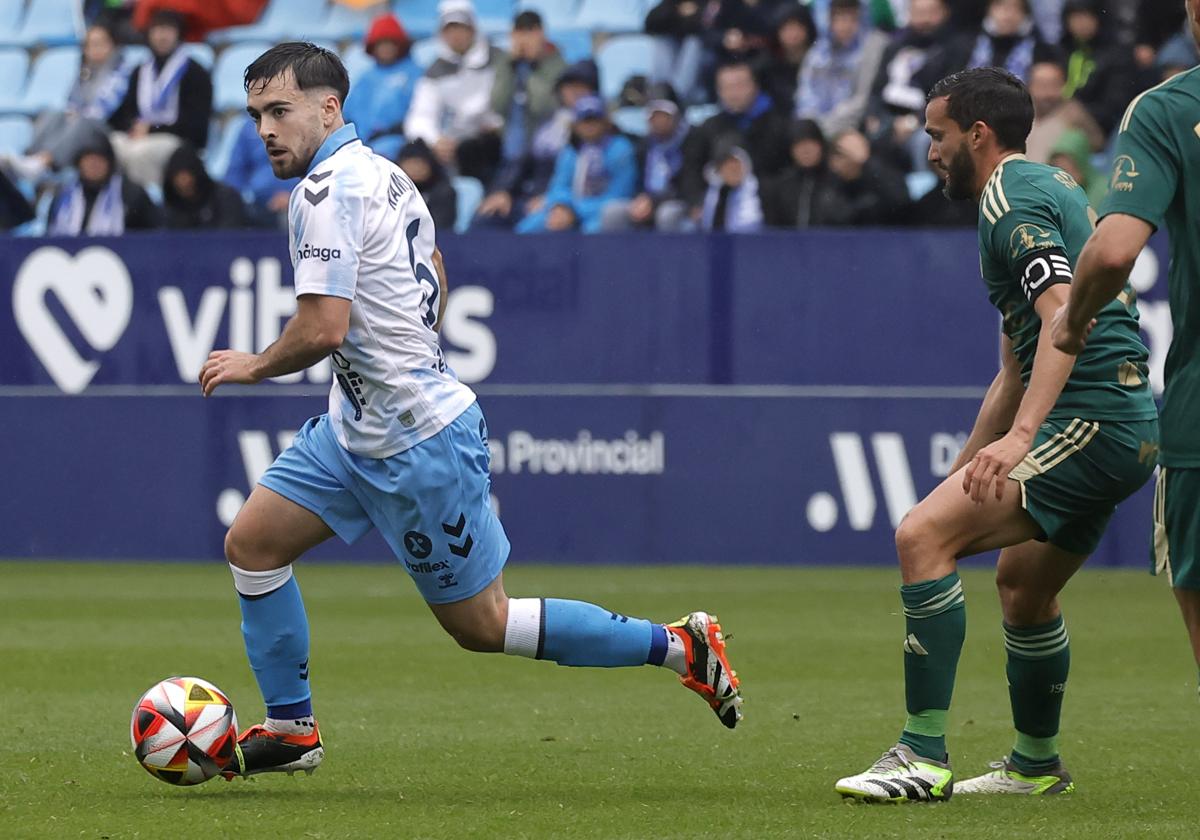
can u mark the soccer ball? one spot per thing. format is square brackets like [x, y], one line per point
[183, 731]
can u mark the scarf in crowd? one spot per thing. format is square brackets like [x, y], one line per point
[99, 90]
[828, 78]
[732, 209]
[591, 173]
[663, 159]
[158, 89]
[108, 212]
[1020, 57]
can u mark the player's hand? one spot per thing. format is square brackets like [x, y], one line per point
[228, 366]
[497, 204]
[992, 464]
[1066, 337]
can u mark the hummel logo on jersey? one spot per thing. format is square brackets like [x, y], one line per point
[911, 645]
[318, 177]
[308, 252]
[315, 198]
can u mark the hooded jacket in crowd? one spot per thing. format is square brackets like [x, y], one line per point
[211, 205]
[453, 98]
[762, 131]
[380, 96]
[437, 190]
[108, 208]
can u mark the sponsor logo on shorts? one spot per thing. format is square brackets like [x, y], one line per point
[419, 546]
[427, 568]
[314, 252]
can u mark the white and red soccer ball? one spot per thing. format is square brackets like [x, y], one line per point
[184, 731]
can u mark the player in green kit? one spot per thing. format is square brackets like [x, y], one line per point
[1058, 442]
[1156, 181]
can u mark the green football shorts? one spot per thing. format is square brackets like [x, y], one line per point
[1078, 470]
[1176, 548]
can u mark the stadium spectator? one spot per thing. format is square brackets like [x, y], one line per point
[99, 89]
[249, 171]
[660, 157]
[426, 171]
[168, 102]
[521, 182]
[731, 202]
[1054, 114]
[747, 114]
[1100, 71]
[451, 107]
[524, 93]
[193, 200]
[99, 201]
[1157, 23]
[15, 209]
[1177, 55]
[920, 54]
[597, 166]
[1009, 39]
[836, 78]
[802, 195]
[866, 191]
[1073, 154]
[742, 29]
[679, 52]
[779, 70]
[380, 96]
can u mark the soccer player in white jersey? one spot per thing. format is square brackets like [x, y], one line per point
[403, 447]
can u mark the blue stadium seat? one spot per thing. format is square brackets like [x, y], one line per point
[228, 91]
[344, 23]
[425, 51]
[622, 57]
[418, 16]
[631, 120]
[920, 183]
[202, 54]
[357, 61]
[557, 15]
[14, 65]
[470, 194]
[15, 133]
[217, 160]
[50, 80]
[495, 16]
[282, 20]
[11, 12]
[574, 44]
[52, 22]
[612, 15]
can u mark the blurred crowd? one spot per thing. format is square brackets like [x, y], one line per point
[755, 114]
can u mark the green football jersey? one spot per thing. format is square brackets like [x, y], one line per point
[1033, 222]
[1156, 177]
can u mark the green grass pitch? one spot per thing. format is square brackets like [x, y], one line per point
[427, 741]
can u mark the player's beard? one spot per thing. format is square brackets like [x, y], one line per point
[960, 175]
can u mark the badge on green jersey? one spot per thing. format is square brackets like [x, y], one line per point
[1124, 171]
[1028, 237]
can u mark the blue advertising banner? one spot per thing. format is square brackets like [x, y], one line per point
[766, 399]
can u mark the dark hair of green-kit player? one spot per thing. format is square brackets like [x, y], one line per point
[992, 96]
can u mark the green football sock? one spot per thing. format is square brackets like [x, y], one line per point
[1039, 658]
[935, 620]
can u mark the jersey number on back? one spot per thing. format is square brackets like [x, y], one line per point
[425, 278]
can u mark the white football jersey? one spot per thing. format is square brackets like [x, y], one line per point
[359, 230]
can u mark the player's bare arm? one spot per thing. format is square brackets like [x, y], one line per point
[316, 330]
[999, 406]
[444, 289]
[1051, 368]
[1104, 266]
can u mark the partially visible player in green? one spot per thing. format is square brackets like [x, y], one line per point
[1057, 444]
[1156, 181]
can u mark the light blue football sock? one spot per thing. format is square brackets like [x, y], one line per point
[275, 629]
[580, 634]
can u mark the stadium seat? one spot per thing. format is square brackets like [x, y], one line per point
[920, 183]
[228, 91]
[344, 23]
[282, 20]
[425, 52]
[50, 80]
[630, 120]
[15, 133]
[470, 194]
[574, 44]
[52, 23]
[612, 15]
[14, 65]
[357, 61]
[220, 151]
[202, 54]
[418, 16]
[557, 15]
[11, 12]
[622, 57]
[495, 16]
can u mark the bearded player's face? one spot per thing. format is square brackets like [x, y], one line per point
[291, 122]
[948, 152]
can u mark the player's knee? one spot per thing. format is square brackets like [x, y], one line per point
[913, 537]
[246, 553]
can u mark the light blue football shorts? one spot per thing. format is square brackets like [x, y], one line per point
[431, 503]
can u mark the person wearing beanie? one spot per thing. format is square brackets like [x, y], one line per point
[598, 166]
[451, 106]
[99, 201]
[427, 173]
[193, 200]
[379, 98]
[168, 102]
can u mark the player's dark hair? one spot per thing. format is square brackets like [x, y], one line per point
[313, 67]
[988, 95]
